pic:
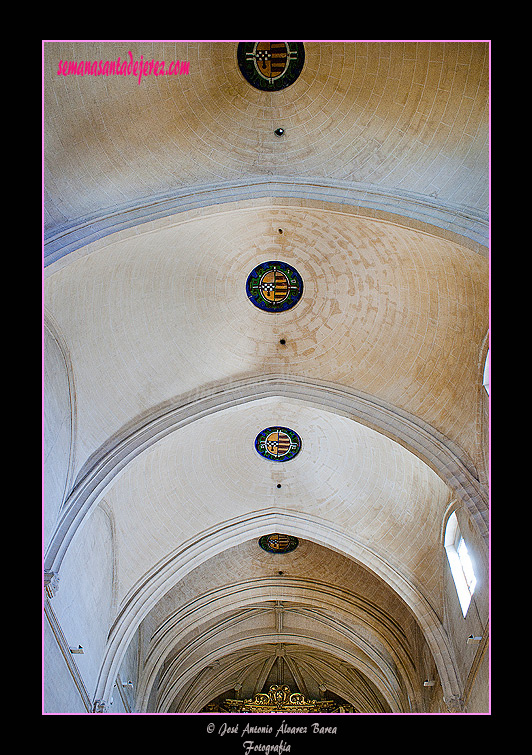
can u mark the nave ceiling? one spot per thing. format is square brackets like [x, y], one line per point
[159, 200]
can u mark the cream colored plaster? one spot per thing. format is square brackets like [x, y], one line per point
[157, 315]
[347, 474]
[159, 199]
[406, 115]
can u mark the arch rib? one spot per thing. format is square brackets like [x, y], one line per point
[438, 452]
[162, 578]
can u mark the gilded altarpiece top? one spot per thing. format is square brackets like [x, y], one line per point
[280, 699]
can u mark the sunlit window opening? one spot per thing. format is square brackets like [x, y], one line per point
[467, 566]
[460, 563]
[486, 379]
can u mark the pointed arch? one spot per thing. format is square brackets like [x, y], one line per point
[444, 457]
[164, 576]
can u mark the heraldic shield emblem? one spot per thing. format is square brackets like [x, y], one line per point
[278, 543]
[271, 66]
[274, 286]
[278, 443]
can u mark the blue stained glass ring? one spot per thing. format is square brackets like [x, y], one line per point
[274, 286]
[278, 443]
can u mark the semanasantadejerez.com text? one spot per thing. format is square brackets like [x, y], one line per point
[119, 67]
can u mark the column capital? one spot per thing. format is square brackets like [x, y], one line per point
[454, 704]
[51, 583]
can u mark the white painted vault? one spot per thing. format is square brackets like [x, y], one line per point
[160, 197]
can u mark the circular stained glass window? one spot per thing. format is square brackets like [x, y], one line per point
[270, 66]
[278, 443]
[277, 543]
[274, 286]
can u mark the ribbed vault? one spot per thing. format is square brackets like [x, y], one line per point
[159, 200]
[247, 631]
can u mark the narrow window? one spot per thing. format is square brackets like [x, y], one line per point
[460, 563]
[486, 378]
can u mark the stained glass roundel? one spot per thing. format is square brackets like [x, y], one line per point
[270, 66]
[277, 543]
[274, 286]
[278, 443]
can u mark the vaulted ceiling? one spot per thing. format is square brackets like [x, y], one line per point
[160, 198]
